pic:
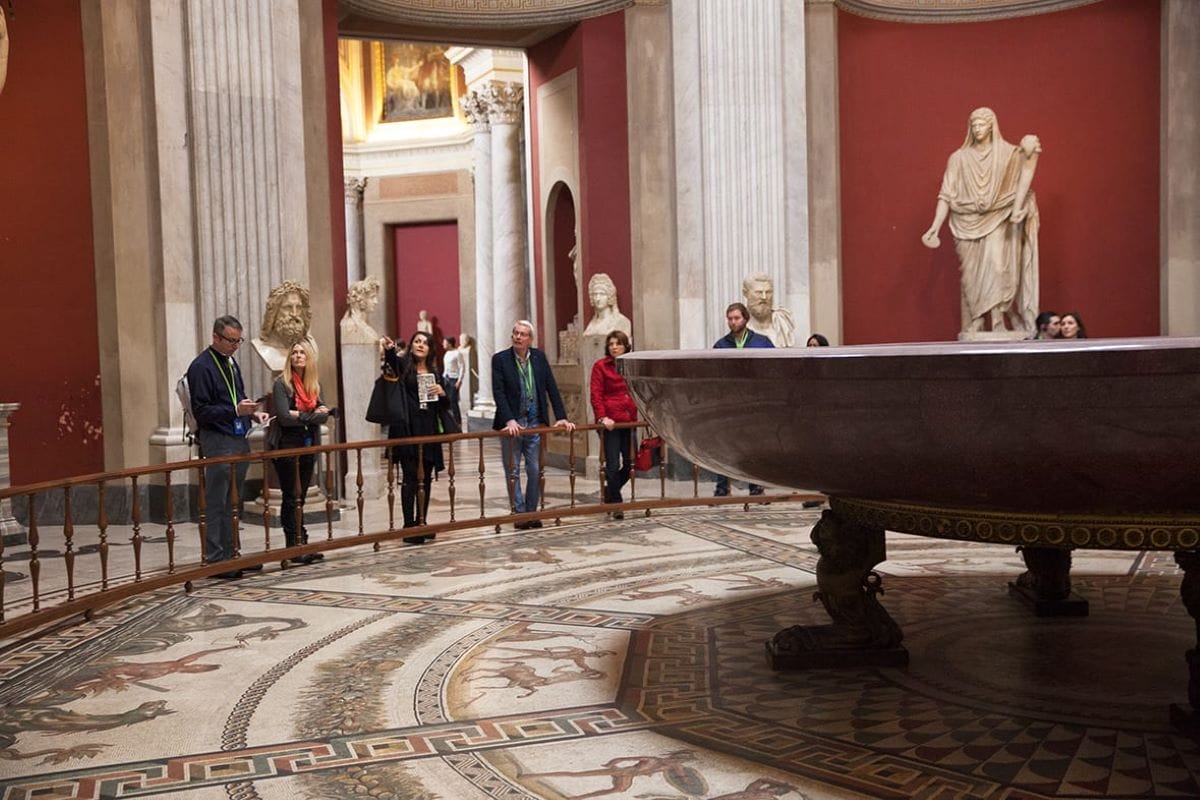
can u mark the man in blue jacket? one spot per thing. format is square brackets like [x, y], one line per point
[737, 316]
[223, 418]
[523, 388]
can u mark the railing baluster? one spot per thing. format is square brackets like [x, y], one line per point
[235, 515]
[450, 477]
[570, 468]
[603, 467]
[329, 495]
[201, 504]
[391, 493]
[170, 524]
[69, 542]
[482, 481]
[102, 523]
[35, 566]
[136, 539]
[298, 493]
[630, 459]
[358, 480]
[543, 441]
[662, 473]
[419, 512]
[268, 466]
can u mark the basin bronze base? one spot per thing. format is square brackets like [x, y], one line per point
[800, 647]
[1073, 605]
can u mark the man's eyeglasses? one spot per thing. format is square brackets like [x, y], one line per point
[238, 340]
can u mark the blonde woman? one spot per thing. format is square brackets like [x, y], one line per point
[299, 413]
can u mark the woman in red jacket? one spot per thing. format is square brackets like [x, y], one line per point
[612, 403]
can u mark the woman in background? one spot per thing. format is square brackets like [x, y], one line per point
[299, 413]
[612, 403]
[425, 394]
[1071, 325]
[817, 340]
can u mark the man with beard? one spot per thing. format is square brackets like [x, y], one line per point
[739, 337]
[285, 322]
[774, 323]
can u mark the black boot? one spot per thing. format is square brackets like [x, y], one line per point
[311, 557]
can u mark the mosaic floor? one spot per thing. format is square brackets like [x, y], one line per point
[605, 659]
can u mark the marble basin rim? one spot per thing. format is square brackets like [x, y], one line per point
[1105, 426]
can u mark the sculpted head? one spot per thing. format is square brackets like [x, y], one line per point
[982, 121]
[759, 291]
[363, 295]
[288, 315]
[602, 292]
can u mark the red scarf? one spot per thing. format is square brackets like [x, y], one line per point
[304, 400]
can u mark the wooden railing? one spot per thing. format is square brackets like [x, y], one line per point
[71, 567]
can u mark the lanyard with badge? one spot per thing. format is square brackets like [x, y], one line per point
[239, 427]
[525, 369]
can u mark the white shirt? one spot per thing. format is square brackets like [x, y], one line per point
[452, 368]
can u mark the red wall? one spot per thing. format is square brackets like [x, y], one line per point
[427, 277]
[562, 212]
[1086, 81]
[49, 362]
[596, 48]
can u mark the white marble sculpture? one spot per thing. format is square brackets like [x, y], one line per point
[603, 294]
[285, 322]
[361, 300]
[360, 367]
[994, 219]
[765, 317]
[423, 323]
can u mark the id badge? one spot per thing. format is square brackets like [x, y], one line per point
[308, 441]
[239, 427]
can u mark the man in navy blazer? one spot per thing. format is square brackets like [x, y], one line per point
[523, 387]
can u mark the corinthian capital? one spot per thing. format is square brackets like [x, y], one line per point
[504, 102]
[354, 189]
[475, 109]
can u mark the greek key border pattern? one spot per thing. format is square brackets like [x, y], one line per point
[152, 778]
[1093, 532]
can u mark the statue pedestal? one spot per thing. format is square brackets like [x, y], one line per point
[360, 368]
[574, 384]
[11, 531]
[993, 336]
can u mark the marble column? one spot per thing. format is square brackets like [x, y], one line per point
[510, 294]
[9, 527]
[475, 108]
[740, 158]
[824, 222]
[356, 268]
[1180, 164]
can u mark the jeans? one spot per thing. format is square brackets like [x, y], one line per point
[616, 462]
[218, 535]
[528, 448]
[722, 487]
[293, 495]
[408, 490]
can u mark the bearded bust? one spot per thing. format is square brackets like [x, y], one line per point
[766, 318]
[285, 322]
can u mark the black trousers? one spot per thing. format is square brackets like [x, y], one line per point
[616, 462]
[293, 488]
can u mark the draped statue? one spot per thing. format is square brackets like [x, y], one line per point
[994, 219]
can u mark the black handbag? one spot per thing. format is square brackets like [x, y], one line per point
[388, 405]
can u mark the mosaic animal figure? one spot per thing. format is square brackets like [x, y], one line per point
[17, 719]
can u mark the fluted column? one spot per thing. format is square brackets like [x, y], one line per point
[475, 107]
[509, 274]
[355, 263]
[740, 157]
[247, 158]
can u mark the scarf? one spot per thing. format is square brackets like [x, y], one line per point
[304, 400]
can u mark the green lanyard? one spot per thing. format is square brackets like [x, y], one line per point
[740, 343]
[228, 379]
[526, 376]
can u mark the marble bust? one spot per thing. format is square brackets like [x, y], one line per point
[765, 317]
[285, 322]
[424, 325]
[994, 218]
[607, 318]
[361, 300]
